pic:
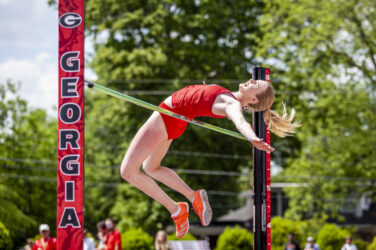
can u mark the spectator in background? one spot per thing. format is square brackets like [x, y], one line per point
[29, 245]
[311, 244]
[160, 242]
[89, 243]
[45, 242]
[113, 236]
[291, 244]
[349, 245]
[102, 235]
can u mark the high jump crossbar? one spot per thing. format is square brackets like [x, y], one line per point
[150, 106]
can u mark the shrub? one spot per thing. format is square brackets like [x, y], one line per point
[188, 236]
[360, 244]
[280, 230]
[136, 238]
[372, 246]
[311, 227]
[5, 241]
[331, 237]
[235, 239]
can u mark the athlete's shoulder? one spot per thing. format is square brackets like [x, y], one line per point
[215, 89]
[229, 99]
[216, 86]
[189, 87]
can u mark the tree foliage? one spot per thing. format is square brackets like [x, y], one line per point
[139, 43]
[281, 228]
[322, 56]
[361, 244]
[325, 58]
[172, 39]
[132, 209]
[327, 235]
[188, 236]
[372, 246]
[331, 237]
[136, 238]
[27, 185]
[235, 239]
[5, 240]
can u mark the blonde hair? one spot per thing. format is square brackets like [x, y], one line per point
[161, 245]
[281, 125]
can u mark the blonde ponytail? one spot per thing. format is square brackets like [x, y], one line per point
[280, 125]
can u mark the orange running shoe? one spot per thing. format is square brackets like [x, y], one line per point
[202, 207]
[181, 221]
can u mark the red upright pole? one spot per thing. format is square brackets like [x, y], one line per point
[70, 169]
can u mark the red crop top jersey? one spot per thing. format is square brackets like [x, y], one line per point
[191, 101]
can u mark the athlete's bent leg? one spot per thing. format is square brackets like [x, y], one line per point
[145, 142]
[152, 166]
[168, 177]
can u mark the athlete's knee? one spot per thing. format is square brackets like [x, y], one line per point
[127, 174]
[149, 167]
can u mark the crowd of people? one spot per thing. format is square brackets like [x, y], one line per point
[311, 245]
[109, 238]
[45, 242]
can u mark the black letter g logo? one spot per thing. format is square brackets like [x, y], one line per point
[70, 20]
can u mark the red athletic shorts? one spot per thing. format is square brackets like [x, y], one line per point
[174, 127]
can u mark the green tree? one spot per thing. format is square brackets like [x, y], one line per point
[5, 240]
[140, 43]
[325, 58]
[27, 181]
[131, 209]
[172, 39]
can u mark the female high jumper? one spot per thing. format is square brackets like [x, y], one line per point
[152, 141]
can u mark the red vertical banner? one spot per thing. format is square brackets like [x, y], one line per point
[267, 180]
[70, 167]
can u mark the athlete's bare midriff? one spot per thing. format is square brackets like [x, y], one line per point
[168, 102]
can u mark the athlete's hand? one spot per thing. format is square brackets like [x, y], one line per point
[261, 145]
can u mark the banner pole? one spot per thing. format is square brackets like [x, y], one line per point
[70, 156]
[261, 177]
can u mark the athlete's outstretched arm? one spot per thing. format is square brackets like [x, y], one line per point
[235, 114]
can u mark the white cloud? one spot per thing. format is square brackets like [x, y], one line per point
[29, 50]
[38, 77]
[36, 27]
[4, 2]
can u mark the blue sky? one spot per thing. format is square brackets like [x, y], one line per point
[29, 50]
